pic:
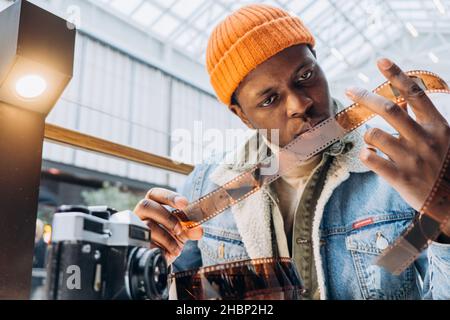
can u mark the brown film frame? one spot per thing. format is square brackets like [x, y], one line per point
[251, 181]
[258, 279]
[429, 223]
[432, 220]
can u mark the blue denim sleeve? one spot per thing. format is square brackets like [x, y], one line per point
[436, 262]
[190, 257]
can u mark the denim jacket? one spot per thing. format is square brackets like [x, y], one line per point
[357, 216]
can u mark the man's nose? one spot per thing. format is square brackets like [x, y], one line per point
[297, 105]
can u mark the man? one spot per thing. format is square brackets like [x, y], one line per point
[333, 214]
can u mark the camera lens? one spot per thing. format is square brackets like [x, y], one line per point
[147, 274]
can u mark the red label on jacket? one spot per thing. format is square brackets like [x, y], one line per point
[362, 223]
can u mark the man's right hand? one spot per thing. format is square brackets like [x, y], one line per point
[167, 232]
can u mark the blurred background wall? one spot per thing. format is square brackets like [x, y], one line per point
[140, 74]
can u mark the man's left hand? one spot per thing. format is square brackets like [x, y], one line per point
[416, 157]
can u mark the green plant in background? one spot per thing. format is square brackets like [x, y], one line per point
[45, 213]
[113, 196]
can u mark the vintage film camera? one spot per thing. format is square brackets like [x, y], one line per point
[100, 254]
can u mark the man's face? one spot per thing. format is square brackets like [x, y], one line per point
[288, 92]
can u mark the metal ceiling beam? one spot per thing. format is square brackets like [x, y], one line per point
[227, 8]
[163, 13]
[317, 26]
[187, 23]
[353, 25]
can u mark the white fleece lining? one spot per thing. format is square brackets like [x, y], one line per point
[252, 216]
[336, 175]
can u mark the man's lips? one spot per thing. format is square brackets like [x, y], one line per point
[308, 126]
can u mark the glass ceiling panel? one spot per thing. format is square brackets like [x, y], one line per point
[146, 14]
[165, 26]
[185, 8]
[337, 24]
[125, 7]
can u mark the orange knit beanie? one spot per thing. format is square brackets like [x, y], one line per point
[247, 38]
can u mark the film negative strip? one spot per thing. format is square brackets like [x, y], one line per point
[432, 220]
[260, 279]
[405, 250]
[300, 149]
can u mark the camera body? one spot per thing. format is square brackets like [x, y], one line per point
[100, 254]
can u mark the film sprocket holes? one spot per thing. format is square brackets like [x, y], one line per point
[100, 254]
[135, 272]
[257, 279]
[398, 256]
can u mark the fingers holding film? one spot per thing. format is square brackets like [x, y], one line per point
[390, 111]
[411, 91]
[152, 210]
[177, 201]
[171, 244]
[164, 239]
[167, 197]
[193, 234]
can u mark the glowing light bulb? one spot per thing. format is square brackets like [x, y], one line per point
[31, 86]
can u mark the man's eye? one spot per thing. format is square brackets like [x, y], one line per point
[305, 76]
[269, 101]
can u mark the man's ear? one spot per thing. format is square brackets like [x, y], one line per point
[237, 110]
